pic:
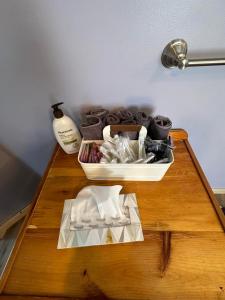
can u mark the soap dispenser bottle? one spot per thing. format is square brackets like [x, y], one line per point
[66, 132]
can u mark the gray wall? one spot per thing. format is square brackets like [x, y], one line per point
[108, 52]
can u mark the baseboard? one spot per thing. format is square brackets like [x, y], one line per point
[219, 191]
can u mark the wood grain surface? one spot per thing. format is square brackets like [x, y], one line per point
[13, 297]
[179, 202]
[182, 256]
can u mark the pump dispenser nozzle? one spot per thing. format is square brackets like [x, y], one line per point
[58, 113]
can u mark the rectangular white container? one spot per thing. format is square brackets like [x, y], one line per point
[129, 172]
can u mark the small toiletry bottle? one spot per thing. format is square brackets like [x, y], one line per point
[66, 132]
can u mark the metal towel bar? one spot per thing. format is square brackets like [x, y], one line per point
[175, 55]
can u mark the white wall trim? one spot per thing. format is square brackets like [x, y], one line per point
[219, 191]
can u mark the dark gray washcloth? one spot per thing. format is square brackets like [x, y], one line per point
[143, 119]
[112, 119]
[129, 121]
[160, 128]
[91, 128]
[98, 112]
[125, 115]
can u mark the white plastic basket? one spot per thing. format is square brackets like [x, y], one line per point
[132, 172]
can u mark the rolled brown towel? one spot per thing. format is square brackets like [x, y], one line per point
[125, 115]
[129, 121]
[91, 128]
[112, 119]
[143, 119]
[160, 127]
[98, 112]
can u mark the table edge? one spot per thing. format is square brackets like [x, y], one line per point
[206, 185]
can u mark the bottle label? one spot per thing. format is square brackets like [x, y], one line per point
[69, 139]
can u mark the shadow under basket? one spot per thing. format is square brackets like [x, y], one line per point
[128, 172]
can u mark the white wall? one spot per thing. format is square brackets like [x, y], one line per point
[108, 52]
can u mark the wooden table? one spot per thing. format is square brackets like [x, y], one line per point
[182, 257]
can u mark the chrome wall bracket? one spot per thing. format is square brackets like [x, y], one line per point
[175, 55]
